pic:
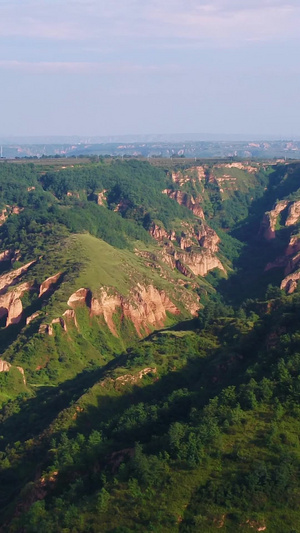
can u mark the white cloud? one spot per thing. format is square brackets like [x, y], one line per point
[80, 67]
[115, 22]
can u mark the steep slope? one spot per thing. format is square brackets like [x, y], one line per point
[124, 407]
[182, 433]
[109, 301]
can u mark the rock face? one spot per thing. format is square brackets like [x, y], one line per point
[145, 306]
[208, 238]
[22, 372]
[199, 247]
[290, 258]
[247, 167]
[289, 283]
[199, 263]
[293, 213]
[32, 317]
[81, 296]
[9, 279]
[5, 367]
[10, 300]
[3, 216]
[70, 316]
[7, 255]
[11, 305]
[196, 173]
[293, 246]
[48, 283]
[199, 173]
[183, 198]
[290, 261]
[160, 234]
[292, 264]
[101, 197]
[268, 225]
[9, 210]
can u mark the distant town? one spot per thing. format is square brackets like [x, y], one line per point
[286, 149]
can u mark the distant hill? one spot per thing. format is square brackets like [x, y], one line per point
[192, 146]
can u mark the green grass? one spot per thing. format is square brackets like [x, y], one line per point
[105, 265]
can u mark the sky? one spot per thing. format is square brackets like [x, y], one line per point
[116, 67]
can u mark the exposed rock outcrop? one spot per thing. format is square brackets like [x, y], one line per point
[208, 238]
[22, 372]
[15, 309]
[7, 255]
[293, 214]
[70, 316]
[183, 198]
[259, 526]
[81, 296]
[6, 367]
[185, 242]
[160, 234]
[48, 283]
[9, 210]
[290, 259]
[129, 378]
[11, 305]
[289, 283]
[101, 197]
[292, 264]
[60, 321]
[293, 246]
[193, 174]
[32, 317]
[9, 279]
[199, 263]
[46, 328]
[241, 166]
[199, 246]
[268, 225]
[145, 306]
[3, 216]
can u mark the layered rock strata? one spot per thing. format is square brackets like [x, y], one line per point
[48, 283]
[145, 306]
[183, 198]
[268, 225]
[196, 252]
[11, 304]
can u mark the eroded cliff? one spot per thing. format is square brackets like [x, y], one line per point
[192, 251]
[145, 306]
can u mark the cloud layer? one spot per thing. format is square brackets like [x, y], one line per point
[217, 22]
[83, 67]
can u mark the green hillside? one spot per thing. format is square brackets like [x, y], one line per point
[149, 359]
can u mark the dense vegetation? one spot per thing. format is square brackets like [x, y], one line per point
[174, 453]
[195, 427]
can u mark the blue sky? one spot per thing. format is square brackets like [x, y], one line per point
[126, 66]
